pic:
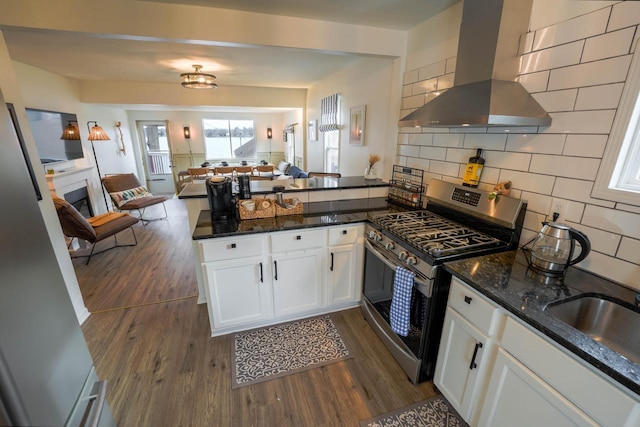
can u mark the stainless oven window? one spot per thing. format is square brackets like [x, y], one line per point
[378, 290]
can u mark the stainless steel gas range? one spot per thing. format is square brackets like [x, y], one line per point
[458, 222]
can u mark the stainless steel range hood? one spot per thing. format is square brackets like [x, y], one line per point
[485, 92]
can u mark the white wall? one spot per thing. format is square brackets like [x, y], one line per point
[576, 69]
[371, 82]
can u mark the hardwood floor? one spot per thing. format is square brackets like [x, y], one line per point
[152, 342]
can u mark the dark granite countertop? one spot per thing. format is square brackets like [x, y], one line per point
[198, 190]
[506, 279]
[315, 214]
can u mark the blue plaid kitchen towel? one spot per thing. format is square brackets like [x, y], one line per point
[400, 313]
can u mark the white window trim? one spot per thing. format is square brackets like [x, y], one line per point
[624, 140]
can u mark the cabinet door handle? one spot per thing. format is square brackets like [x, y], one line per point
[344, 231]
[331, 268]
[475, 354]
[298, 237]
[232, 246]
[261, 276]
[275, 269]
[467, 299]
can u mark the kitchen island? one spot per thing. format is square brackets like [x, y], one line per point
[537, 354]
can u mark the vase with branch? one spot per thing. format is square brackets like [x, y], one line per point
[370, 172]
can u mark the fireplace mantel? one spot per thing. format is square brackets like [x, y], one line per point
[63, 182]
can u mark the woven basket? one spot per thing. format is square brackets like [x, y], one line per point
[280, 211]
[260, 212]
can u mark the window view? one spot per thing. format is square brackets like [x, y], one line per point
[229, 139]
[331, 150]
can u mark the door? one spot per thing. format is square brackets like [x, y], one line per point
[297, 282]
[518, 397]
[155, 147]
[342, 274]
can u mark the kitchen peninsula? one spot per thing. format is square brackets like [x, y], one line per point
[262, 271]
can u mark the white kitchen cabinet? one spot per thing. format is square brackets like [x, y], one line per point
[344, 265]
[465, 349]
[238, 292]
[297, 282]
[518, 397]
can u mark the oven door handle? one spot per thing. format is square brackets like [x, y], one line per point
[423, 284]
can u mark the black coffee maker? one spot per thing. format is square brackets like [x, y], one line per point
[221, 200]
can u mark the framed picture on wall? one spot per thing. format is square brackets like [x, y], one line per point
[312, 130]
[23, 147]
[357, 125]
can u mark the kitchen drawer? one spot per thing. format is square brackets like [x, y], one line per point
[473, 307]
[229, 248]
[297, 240]
[344, 235]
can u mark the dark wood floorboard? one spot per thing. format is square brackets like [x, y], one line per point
[164, 368]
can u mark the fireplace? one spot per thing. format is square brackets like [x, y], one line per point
[79, 198]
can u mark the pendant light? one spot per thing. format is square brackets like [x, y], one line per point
[198, 80]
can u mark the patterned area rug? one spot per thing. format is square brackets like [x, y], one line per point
[435, 412]
[279, 350]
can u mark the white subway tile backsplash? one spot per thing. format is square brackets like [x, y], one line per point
[508, 160]
[608, 45]
[585, 145]
[555, 57]
[577, 28]
[536, 143]
[435, 153]
[432, 70]
[539, 203]
[487, 141]
[527, 181]
[444, 168]
[613, 70]
[446, 81]
[448, 140]
[410, 77]
[421, 139]
[450, 66]
[578, 190]
[491, 176]
[526, 43]
[459, 155]
[629, 250]
[413, 102]
[535, 82]
[407, 90]
[615, 269]
[624, 14]
[599, 97]
[559, 100]
[601, 241]
[409, 150]
[573, 211]
[612, 220]
[424, 86]
[403, 139]
[414, 162]
[532, 221]
[570, 167]
[588, 122]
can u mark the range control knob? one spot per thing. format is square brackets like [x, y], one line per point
[403, 255]
[411, 260]
[374, 235]
[390, 246]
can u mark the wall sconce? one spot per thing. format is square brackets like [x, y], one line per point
[96, 133]
[71, 131]
[187, 132]
[269, 133]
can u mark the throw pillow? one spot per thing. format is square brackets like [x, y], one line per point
[122, 197]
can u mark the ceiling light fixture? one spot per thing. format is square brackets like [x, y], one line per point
[198, 79]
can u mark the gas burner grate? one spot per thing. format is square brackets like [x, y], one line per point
[433, 234]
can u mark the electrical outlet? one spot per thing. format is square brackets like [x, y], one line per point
[559, 208]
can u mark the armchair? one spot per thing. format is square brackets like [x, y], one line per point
[127, 194]
[94, 229]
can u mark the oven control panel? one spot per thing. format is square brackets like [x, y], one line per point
[464, 196]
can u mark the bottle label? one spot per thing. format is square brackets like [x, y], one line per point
[472, 174]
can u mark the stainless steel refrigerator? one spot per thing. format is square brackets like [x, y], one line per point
[47, 377]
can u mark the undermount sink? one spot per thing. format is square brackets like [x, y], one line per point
[605, 320]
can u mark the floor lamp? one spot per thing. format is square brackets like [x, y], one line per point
[96, 133]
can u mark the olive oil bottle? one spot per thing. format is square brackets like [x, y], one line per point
[474, 170]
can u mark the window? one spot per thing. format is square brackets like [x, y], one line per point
[229, 139]
[619, 175]
[331, 150]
